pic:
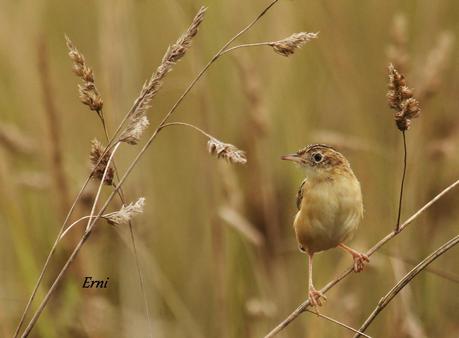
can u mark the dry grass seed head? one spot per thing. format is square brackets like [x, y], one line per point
[288, 45]
[173, 54]
[226, 151]
[126, 213]
[89, 95]
[134, 129]
[99, 162]
[400, 99]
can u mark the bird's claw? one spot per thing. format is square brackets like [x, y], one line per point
[315, 298]
[360, 260]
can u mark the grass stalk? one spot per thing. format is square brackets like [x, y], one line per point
[69, 261]
[384, 301]
[400, 200]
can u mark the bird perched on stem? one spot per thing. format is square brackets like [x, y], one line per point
[329, 205]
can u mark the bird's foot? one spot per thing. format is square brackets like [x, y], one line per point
[316, 298]
[360, 260]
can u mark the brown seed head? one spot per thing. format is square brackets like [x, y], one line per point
[288, 45]
[89, 94]
[226, 151]
[99, 162]
[173, 54]
[400, 99]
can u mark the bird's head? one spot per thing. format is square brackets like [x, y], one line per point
[319, 160]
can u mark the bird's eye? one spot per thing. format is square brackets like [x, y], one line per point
[317, 157]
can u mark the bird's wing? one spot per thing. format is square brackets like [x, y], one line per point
[299, 195]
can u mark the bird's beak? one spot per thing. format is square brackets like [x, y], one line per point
[292, 157]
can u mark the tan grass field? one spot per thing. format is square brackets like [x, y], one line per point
[215, 240]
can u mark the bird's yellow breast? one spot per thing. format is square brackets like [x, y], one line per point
[330, 212]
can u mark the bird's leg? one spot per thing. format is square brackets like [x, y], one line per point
[360, 259]
[314, 295]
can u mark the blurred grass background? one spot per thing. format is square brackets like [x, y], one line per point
[215, 241]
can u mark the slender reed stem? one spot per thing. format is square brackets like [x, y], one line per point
[74, 253]
[130, 168]
[256, 44]
[72, 225]
[131, 231]
[54, 246]
[384, 301]
[397, 227]
[101, 184]
[452, 277]
[302, 307]
[338, 323]
[187, 125]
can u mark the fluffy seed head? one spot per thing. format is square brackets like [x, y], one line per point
[134, 129]
[99, 162]
[288, 45]
[226, 151]
[400, 99]
[126, 213]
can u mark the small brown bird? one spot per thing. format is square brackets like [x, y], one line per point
[329, 205]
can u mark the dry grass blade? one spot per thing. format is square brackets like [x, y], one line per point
[53, 117]
[452, 277]
[406, 280]
[77, 248]
[330, 319]
[241, 224]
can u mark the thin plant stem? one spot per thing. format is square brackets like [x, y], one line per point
[72, 225]
[54, 246]
[256, 44]
[136, 160]
[384, 301]
[132, 237]
[101, 184]
[48, 258]
[187, 125]
[438, 272]
[400, 201]
[338, 322]
[302, 307]
[74, 253]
